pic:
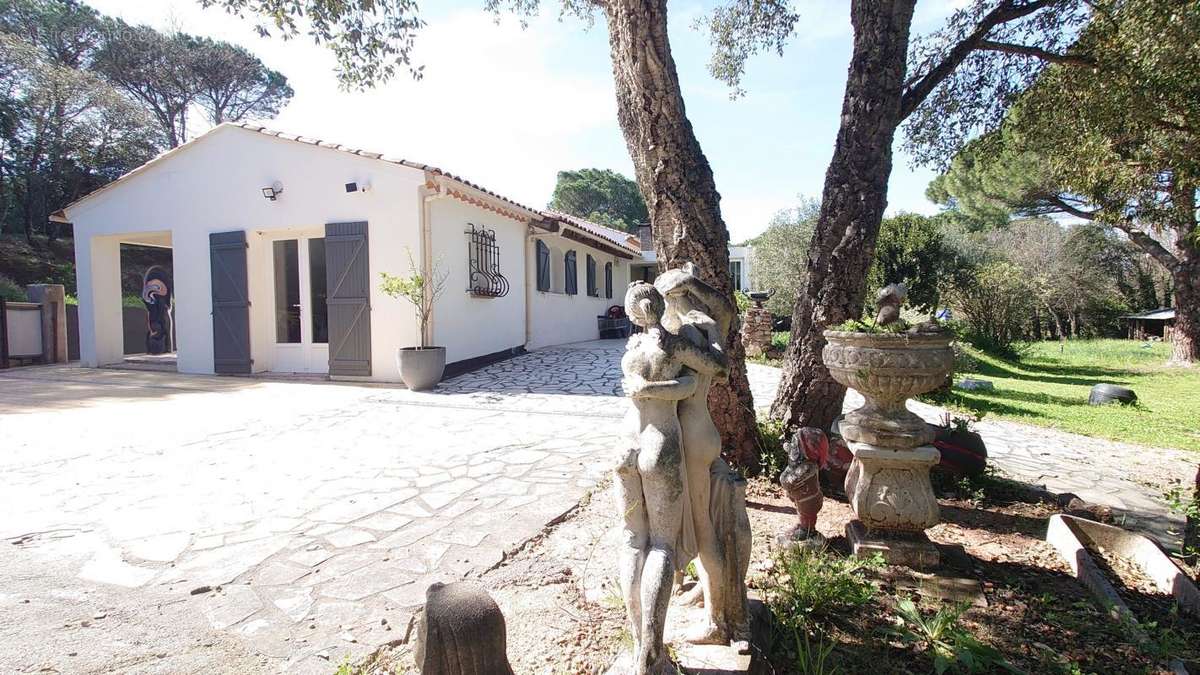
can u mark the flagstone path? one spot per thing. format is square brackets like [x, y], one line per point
[305, 520]
[154, 522]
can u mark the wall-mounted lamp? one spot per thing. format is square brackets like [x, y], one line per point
[273, 191]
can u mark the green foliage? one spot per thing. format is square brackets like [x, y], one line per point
[911, 249]
[11, 290]
[417, 289]
[370, 39]
[952, 646]
[169, 73]
[1049, 386]
[812, 659]
[772, 457]
[808, 587]
[781, 255]
[84, 99]
[742, 28]
[602, 196]
[743, 301]
[1106, 134]
[994, 306]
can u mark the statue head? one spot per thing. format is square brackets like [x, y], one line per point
[644, 304]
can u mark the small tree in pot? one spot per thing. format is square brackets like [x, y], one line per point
[420, 367]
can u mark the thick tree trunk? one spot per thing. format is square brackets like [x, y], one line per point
[1185, 336]
[852, 206]
[677, 183]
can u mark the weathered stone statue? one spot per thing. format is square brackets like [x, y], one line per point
[807, 450]
[653, 485]
[701, 314]
[461, 632]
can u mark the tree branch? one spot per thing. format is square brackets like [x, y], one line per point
[1036, 52]
[1149, 245]
[1009, 10]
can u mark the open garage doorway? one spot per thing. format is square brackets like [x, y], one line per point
[148, 333]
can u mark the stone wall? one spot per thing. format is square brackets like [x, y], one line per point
[756, 331]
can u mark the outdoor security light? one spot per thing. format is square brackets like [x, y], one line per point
[273, 191]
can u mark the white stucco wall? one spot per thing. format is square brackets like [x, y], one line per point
[469, 326]
[557, 318]
[744, 255]
[214, 185]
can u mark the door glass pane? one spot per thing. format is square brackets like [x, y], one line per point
[287, 291]
[735, 273]
[317, 291]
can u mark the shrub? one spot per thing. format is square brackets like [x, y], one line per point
[994, 306]
[11, 290]
[743, 301]
[953, 647]
[812, 586]
[772, 457]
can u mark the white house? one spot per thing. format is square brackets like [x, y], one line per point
[741, 258]
[277, 244]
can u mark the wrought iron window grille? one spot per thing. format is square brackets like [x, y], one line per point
[484, 277]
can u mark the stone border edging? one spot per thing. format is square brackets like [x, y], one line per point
[1068, 533]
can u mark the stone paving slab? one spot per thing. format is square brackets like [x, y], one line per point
[239, 525]
[1128, 478]
[302, 519]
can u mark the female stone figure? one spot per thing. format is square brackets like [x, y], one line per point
[651, 485]
[701, 315]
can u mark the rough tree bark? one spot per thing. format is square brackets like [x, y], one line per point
[852, 205]
[677, 183]
[1185, 336]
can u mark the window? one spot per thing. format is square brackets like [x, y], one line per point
[593, 290]
[317, 291]
[483, 256]
[543, 266]
[735, 274]
[287, 291]
[608, 280]
[571, 274]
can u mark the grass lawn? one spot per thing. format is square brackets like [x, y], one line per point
[1049, 387]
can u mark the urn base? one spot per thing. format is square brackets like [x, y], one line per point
[910, 549]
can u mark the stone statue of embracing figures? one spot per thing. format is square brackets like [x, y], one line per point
[677, 499]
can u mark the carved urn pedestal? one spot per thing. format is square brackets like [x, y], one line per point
[888, 482]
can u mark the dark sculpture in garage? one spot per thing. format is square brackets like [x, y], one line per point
[156, 294]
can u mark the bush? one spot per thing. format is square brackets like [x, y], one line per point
[772, 457]
[11, 290]
[812, 586]
[994, 307]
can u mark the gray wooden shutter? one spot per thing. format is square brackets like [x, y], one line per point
[230, 302]
[608, 280]
[572, 273]
[592, 290]
[543, 266]
[348, 281]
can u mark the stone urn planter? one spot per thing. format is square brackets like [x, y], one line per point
[888, 482]
[421, 368]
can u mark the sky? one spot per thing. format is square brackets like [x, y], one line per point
[508, 106]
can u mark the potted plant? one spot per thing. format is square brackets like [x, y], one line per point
[420, 367]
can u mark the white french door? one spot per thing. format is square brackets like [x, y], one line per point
[300, 310]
